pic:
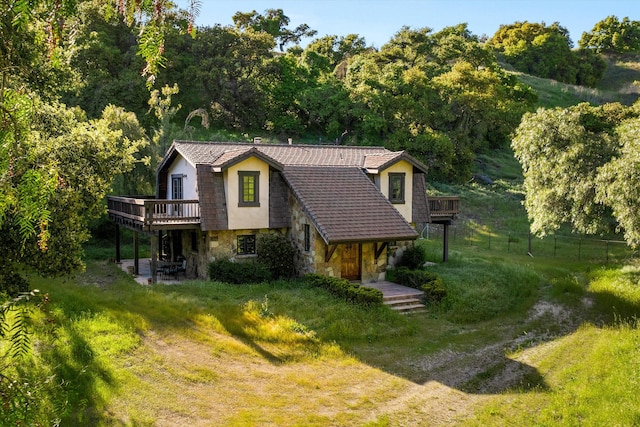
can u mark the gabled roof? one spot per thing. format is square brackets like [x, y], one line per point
[345, 206]
[222, 153]
[230, 158]
[374, 163]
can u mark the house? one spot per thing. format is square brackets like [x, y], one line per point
[350, 211]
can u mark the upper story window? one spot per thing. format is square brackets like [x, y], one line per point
[176, 187]
[249, 188]
[396, 187]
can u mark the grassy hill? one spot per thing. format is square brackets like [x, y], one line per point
[617, 85]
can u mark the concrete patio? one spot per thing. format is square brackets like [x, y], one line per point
[144, 272]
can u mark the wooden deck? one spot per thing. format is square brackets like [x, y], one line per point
[144, 213]
[444, 208]
[148, 214]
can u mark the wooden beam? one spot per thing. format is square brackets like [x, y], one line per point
[330, 250]
[154, 258]
[379, 249]
[136, 254]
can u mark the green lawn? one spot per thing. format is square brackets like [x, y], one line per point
[516, 342]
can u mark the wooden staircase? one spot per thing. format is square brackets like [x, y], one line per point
[406, 303]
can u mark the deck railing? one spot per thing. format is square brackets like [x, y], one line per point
[149, 212]
[448, 206]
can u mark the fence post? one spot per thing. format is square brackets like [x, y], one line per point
[529, 242]
[607, 251]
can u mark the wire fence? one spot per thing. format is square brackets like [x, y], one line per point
[473, 236]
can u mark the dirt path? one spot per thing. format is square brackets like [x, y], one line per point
[455, 383]
[207, 382]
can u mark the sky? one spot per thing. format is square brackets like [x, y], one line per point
[378, 20]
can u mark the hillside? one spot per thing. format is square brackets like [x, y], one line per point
[617, 85]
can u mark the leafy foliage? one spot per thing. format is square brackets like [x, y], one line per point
[227, 271]
[546, 51]
[427, 281]
[413, 257]
[342, 288]
[612, 35]
[277, 253]
[580, 166]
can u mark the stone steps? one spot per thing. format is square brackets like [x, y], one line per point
[405, 304]
[400, 298]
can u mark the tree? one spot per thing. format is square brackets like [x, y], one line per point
[573, 165]
[618, 182]
[612, 36]
[274, 23]
[545, 51]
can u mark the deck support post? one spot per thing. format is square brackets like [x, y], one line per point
[154, 257]
[136, 254]
[445, 248]
[118, 243]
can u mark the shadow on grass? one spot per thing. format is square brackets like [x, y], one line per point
[78, 374]
[174, 308]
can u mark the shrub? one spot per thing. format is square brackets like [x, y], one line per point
[227, 271]
[12, 284]
[342, 288]
[413, 257]
[428, 282]
[434, 291]
[276, 252]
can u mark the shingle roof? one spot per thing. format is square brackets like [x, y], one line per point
[345, 206]
[288, 155]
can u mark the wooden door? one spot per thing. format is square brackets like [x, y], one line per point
[351, 262]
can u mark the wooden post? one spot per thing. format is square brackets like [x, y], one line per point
[117, 243]
[136, 254]
[154, 257]
[445, 249]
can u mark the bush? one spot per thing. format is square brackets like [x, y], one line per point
[227, 271]
[277, 253]
[342, 288]
[434, 291]
[12, 284]
[428, 282]
[413, 257]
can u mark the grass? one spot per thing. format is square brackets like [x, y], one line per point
[282, 353]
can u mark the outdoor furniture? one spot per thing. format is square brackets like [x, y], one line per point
[168, 269]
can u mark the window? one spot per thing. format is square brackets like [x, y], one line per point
[307, 238]
[249, 189]
[247, 244]
[396, 187]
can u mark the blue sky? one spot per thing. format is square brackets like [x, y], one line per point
[378, 20]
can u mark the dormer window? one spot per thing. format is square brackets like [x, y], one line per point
[396, 187]
[249, 194]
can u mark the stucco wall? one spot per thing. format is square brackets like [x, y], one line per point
[405, 167]
[189, 185]
[247, 217]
